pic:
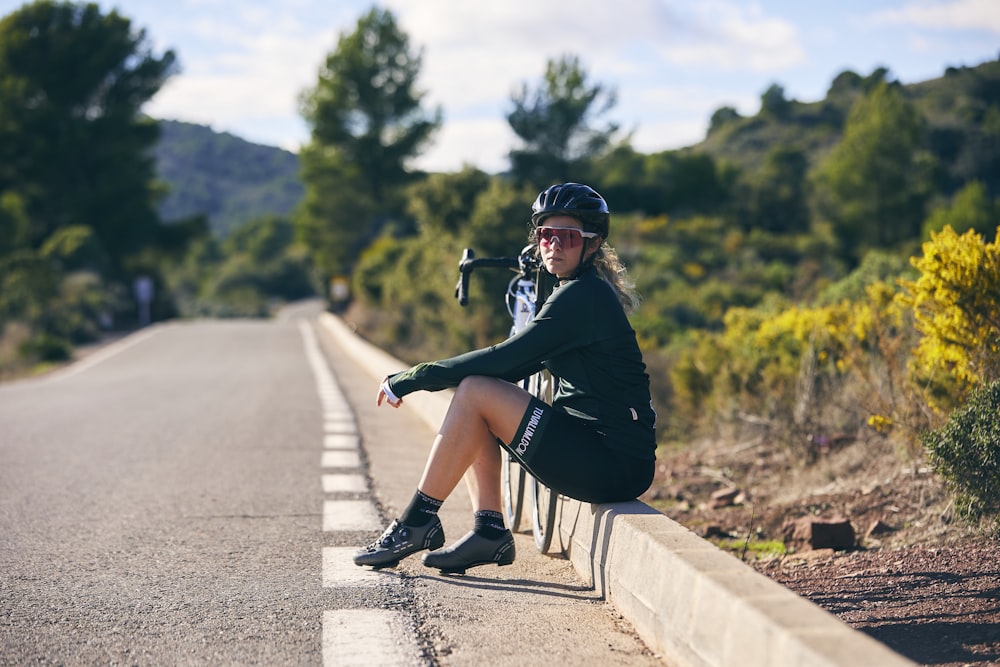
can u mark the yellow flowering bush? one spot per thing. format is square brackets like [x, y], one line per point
[874, 358]
[956, 309]
[830, 367]
[766, 352]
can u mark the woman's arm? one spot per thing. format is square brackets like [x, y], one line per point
[562, 323]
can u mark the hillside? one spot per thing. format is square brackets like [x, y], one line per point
[231, 180]
[223, 177]
[959, 110]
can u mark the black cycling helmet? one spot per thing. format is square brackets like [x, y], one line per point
[577, 201]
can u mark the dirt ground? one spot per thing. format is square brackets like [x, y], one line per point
[917, 579]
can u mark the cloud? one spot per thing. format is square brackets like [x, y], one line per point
[678, 116]
[478, 142]
[954, 15]
[243, 72]
[673, 101]
[668, 134]
[733, 37]
[477, 54]
[733, 34]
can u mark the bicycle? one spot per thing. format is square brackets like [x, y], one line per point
[526, 292]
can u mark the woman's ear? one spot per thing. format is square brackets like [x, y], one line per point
[594, 244]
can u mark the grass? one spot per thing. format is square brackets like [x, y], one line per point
[759, 548]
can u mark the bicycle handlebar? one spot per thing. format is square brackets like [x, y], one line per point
[470, 262]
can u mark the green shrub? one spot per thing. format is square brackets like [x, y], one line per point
[965, 451]
[46, 347]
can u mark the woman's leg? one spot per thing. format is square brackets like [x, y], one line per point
[482, 410]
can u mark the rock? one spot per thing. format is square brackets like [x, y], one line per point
[713, 530]
[723, 498]
[879, 527]
[809, 532]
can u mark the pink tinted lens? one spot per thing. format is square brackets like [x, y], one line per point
[568, 238]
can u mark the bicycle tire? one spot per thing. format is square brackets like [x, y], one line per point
[513, 485]
[544, 501]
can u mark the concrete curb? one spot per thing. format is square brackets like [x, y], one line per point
[690, 602]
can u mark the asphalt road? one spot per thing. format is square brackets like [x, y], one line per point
[180, 498]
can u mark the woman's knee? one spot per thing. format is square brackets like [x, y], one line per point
[492, 398]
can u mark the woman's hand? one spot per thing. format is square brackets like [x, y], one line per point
[385, 394]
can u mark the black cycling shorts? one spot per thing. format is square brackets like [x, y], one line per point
[569, 455]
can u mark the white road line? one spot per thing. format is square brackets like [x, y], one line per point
[366, 637]
[353, 637]
[340, 426]
[344, 483]
[339, 570]
[337, 414]
[350, 515]
[105, 353]
[341, 459]
[341, 441]
[334, 401]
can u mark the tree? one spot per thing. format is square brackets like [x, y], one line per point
[721, 117]
[555, 122]
[443, 203]
[682, 182]
[74, 148]
[366, 107]
[845, 83]
[14, 225]
[774, 103]
[367, 121]
[337, 217]
[261, 255]
[777, 198]
[878, 76]
[874, 184]
[971, 208]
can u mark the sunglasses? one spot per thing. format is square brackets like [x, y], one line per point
[568, 237]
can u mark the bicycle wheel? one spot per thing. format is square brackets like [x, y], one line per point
[543, 514]
[512, 478]
[543, 500]
[513, 490]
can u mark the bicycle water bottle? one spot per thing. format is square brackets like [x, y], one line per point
[524, 304]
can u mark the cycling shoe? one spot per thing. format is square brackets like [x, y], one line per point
[472, 550]
[399, 541]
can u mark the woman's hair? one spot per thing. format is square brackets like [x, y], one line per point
[609, 267]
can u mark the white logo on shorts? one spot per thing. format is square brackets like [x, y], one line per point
[529, 431]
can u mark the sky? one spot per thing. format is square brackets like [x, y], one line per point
[672, 63]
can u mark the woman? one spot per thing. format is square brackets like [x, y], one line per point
[595, 443]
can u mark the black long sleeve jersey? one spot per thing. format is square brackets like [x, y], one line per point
[583, 337]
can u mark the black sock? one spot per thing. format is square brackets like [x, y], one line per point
[489, 524]
[421, 510]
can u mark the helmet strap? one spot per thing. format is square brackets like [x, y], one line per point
[586, 261]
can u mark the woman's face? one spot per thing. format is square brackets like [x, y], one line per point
[562, 250]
